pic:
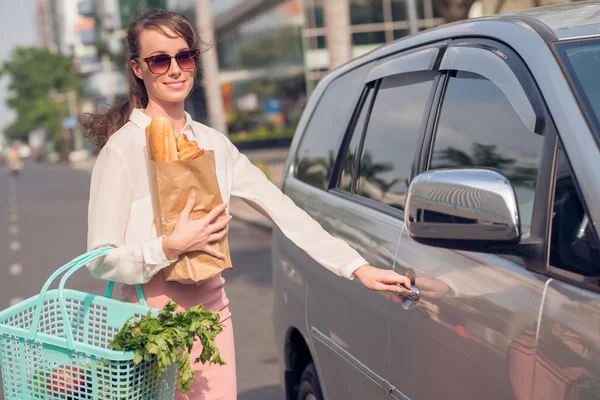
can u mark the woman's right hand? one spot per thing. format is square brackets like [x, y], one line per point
[196, 235]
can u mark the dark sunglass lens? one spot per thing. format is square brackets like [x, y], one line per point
[186, 59]
[159, 64]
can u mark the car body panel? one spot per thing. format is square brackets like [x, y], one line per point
[351, 321]
[567, 363]
[460, 343]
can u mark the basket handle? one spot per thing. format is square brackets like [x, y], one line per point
[138, 289]
[70, 268]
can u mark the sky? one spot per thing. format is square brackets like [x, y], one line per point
[17, 27]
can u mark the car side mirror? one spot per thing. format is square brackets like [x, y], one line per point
[462, 209]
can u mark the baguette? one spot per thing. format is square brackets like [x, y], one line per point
[160, 139]
[188, 149]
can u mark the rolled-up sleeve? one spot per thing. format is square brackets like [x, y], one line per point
[109, 206]
[250, 184]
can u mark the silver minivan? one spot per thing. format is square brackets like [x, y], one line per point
[464, 157]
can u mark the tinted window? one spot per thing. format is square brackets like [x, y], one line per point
[392, 136]
[574, 245]
[582, 61]
[479, 127]
[353, 147]
[323, 135]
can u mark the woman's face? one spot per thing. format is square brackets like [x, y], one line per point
[172, 86]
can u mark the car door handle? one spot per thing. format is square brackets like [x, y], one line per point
[414, 294]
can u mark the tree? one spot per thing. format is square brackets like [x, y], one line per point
[457, 10]
[34, 74]
[486, 156]
[453, 10]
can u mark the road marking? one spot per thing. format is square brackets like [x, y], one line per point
[12, 196]
[14, 229]
[15, 300]
[15, 269]
[15, 245]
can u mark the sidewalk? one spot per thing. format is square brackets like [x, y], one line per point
[272, 159]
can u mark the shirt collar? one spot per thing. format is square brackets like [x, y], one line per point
[142, 120]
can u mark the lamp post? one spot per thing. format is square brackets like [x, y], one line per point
[337, 26]
[210, 68]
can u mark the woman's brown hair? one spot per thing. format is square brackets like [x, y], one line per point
[100, 126]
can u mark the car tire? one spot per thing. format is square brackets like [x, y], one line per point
[310, 389]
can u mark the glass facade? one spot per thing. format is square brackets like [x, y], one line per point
[261, 64]
[372, 23]
[132, 8]
[267, 40]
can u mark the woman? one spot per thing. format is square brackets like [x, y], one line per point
[164, 48]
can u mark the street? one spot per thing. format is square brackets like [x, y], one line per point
[44, 223]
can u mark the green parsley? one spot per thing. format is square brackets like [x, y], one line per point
[169, 337]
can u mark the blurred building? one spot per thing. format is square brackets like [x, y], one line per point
[372, 23]
[259, 47]
[491, 7]
[271, 52]
[47, 24]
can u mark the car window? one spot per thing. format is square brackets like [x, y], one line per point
[352, 153]
[478, 126]
[581, 60]
[392, 137]
[574, 245]
[318, 148]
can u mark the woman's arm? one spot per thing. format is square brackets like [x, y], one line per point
[108, 213]
[250, 184]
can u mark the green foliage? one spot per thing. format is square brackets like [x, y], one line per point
[33, 74]
[262, 133]
[280, 46]
[170, 337]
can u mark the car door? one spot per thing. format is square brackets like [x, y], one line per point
[567, 363]
[477, 313]
[334, 305]
[349, 323]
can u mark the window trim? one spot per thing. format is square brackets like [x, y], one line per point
[336, 175]
[363, 135]
[347, 119]
[421, 162]
[558, 49]
[398, 60]
[573, 278]
[355, 197]
[421, 59]
[533, 250]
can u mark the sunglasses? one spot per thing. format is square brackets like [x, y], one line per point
[161, 63]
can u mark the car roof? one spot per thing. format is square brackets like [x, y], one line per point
[569, 20]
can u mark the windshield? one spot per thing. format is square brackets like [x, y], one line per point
[581, 59]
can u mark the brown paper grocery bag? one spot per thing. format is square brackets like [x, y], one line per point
[171, 183]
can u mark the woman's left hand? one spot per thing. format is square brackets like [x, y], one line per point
[381, 279]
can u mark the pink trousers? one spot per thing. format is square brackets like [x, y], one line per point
[213, 382]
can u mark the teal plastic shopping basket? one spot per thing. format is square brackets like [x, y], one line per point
[56, 345]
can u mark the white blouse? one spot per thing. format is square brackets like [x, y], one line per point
[120, 208]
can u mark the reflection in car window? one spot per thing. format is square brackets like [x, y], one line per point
[582, 62]
[318, 149]
[574, 245]
[352, 152]
[478, 127]
[392, 136]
